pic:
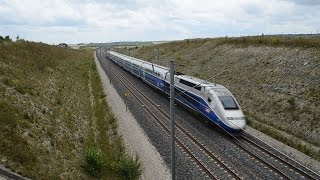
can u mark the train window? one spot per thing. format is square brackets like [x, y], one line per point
[228, 103]
[209, 100]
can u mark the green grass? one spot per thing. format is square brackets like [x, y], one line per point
[128, 167]
[54, 120]
[106, 146]
[94, 163]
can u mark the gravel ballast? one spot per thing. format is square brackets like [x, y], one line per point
[134, 137]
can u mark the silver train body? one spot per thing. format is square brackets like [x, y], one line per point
[213, 101]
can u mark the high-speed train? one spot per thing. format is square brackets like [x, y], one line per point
[213, 101]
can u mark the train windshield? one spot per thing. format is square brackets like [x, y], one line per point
[228, 103]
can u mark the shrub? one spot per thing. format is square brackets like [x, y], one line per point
[9, 116]
[7, 82]
[292, 102]
[94, 163]
[22, 88]
[128, 167]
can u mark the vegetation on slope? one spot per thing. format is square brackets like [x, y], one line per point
[54, 120]
[275, 79]
[273, 41]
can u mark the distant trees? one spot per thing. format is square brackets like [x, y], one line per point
[5, 39]
[9, 40]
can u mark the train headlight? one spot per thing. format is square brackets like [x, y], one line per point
[230, 118]
[242, 118]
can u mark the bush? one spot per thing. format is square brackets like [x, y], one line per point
[22, 88]
[128, 167]
[94, 163]
[9, 116]
[292, 103]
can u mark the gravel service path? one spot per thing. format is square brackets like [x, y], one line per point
[136, 141]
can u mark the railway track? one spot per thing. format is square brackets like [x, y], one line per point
[8, 174]
[303, 173]
[243, 143]
[159, 115]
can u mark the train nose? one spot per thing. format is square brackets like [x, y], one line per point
[237, 123]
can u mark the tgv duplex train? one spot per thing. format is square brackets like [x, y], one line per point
[213, 101]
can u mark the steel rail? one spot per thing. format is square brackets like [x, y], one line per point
[278, 158]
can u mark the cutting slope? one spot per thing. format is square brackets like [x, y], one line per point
[54, 120]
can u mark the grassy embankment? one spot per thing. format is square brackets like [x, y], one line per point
[275, 79]
[54, 120]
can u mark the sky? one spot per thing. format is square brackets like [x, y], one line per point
[85, 21]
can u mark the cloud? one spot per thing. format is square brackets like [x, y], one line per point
[116, 20]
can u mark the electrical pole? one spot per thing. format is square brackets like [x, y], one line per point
[173, 168]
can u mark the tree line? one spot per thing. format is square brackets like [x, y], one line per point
[5, 39]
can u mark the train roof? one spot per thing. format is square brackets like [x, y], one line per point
[219, 89]
[145, 64]
[202, 82]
